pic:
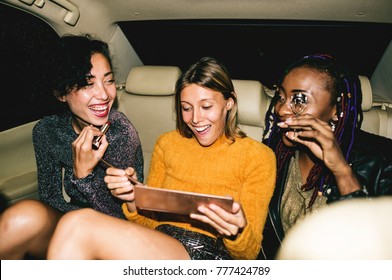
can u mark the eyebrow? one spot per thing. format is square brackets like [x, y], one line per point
[89, 76]
[300, 90]
[205, 99]
[296, 90]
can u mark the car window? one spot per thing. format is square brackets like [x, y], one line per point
[257, 49]
[24, 42]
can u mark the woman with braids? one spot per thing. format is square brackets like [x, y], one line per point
[313, 125]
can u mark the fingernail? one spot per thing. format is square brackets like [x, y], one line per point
[212, 206]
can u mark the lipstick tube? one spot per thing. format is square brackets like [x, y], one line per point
[97, 139]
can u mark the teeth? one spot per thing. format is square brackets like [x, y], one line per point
[98, 108]
[200, 129]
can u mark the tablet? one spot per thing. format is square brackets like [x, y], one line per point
[177, 202]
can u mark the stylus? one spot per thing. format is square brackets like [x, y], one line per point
[133, 181]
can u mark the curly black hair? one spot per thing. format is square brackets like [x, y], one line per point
[69, 65]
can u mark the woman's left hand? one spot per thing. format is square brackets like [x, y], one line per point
[225, 223]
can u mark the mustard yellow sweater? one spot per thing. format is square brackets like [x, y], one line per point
[244, 170]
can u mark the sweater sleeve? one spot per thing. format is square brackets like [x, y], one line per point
[49, 174]
[257, 188]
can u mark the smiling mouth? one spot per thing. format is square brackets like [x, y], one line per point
[99, 109]
[201, 129]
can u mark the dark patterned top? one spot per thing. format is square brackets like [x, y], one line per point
[52, 138]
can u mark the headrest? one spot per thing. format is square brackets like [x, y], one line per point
[356, 229]
[152, 80]
[251, 103]
[367, 94]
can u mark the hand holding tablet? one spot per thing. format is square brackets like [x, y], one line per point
[173, 201]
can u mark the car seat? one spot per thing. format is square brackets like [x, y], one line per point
[253, 104]
[148, 101]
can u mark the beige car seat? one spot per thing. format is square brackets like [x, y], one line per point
[253, 104]
[148, 101]
[377, 116]
[18, 170]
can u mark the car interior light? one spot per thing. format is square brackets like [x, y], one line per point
[39, 3]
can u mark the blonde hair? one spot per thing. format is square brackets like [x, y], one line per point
[211, 74]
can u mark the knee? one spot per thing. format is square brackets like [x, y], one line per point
[71, 230]
[76, 222]
[25, 214]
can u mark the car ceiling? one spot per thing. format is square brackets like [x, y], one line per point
[255, 38]
[110, 12]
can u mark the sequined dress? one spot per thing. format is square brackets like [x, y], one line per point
[52, 138]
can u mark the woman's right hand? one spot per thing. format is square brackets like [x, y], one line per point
[319, 138]
[84, 157]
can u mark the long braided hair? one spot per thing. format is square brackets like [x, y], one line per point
[345, 94]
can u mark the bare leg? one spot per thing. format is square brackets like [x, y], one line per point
[87, 234]
[26, 228]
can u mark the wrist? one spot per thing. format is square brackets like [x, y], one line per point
[346, 181]
[81, 174]
[356, 194]
[342, 171]
[131, 206]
